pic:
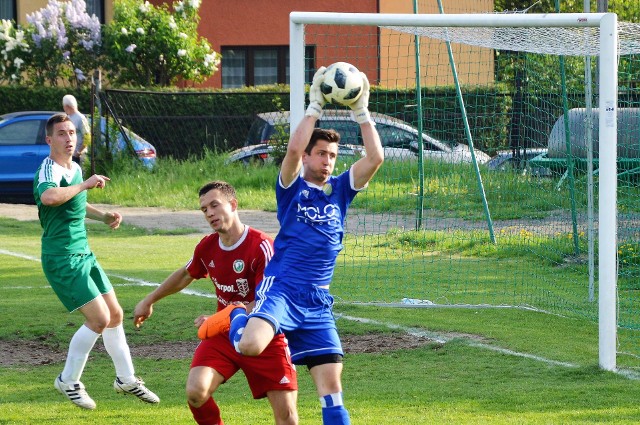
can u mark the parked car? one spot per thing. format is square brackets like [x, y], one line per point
[399, 139]
[506, 161]
[23, 148]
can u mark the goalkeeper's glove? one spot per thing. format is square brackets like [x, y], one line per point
[360, 107]
[316, 99]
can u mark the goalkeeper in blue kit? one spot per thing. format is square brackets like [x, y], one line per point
[294, 295]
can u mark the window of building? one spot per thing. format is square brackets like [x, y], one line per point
[8, 10]
[95, 7]
[234, 68]
[256, 65]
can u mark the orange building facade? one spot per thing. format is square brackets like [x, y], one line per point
[259, 24]
[253, 36]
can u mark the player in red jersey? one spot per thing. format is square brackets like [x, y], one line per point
[234, 258]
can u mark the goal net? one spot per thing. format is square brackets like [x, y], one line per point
[551, 221]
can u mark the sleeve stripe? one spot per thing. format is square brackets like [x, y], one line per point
[267, 250]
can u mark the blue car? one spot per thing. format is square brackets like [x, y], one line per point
[23, 148]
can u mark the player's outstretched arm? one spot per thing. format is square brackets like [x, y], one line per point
[112, 219]
[292, 162]
[365, 168]
[176, 282]
[55, 196]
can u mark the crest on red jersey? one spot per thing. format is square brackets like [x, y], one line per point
[238, 266]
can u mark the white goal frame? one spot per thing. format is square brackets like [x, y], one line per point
[608, 105]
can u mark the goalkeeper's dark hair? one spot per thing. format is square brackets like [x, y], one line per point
[53, 120]
[224, 187]
[329, 135]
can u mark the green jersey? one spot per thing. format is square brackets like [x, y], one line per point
[64, 229]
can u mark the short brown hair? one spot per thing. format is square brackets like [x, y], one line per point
[224, 187]
[329, 135]
[55, 119]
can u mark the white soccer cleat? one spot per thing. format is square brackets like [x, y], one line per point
[137, 389]
[75, 393]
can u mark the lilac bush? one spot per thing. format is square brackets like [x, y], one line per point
[65, 43]
[14, 51]
[144, 45]
[148, 45]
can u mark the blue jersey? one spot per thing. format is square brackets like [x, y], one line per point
[311, 229]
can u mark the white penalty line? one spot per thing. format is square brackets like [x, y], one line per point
[421, 333]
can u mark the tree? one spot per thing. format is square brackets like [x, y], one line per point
[150, 46]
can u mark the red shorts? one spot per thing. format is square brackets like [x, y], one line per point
[270, 371]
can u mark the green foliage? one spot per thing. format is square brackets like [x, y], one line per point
[40, 98]
[532, 72]
[148, 45]
[629, 259]
[182, 124]
[137, 186]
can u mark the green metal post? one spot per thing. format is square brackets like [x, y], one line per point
[567, 135]
[420, 200]
[467, 131]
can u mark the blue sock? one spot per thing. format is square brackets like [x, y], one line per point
[333, 411]
[239, 320]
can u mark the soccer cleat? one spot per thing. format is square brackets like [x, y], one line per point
[137, 389]
[75, 393]
[218, 323]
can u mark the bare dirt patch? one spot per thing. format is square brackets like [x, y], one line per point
[358, 222]
[156, 217]
[34, 353]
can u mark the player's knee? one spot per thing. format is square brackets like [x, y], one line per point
[196, 396]
[116, 316]
[98, 323]
[288, 416]
[250, 347]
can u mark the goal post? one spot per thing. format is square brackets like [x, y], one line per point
[442, 26]
[608, 273]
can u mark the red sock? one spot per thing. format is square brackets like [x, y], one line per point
[207, 414]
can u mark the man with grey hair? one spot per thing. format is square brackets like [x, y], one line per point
[83, 131]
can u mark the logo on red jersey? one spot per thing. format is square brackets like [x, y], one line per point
[243, 287]
[238, 266]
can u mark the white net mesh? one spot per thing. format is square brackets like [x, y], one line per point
[555, 41]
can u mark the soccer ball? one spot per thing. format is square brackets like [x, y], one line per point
[342, 84]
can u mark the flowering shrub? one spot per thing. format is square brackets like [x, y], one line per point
[143, 45]
[14, 50]
[65, 43]
[147, 45]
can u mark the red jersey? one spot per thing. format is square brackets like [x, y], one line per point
[234, 270]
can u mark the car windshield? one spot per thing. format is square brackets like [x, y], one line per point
[349, 131]
[256, 131]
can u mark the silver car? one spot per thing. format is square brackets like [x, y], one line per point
[399, 139]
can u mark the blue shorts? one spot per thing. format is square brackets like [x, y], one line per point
[304, 314]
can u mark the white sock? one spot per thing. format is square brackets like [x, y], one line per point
[115, 342]
[81, 344]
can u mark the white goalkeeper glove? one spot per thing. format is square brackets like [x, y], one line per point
[316, 99]
[360, 107]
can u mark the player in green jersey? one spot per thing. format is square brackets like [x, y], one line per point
[72, 269]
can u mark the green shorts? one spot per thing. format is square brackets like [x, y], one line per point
[76, 279]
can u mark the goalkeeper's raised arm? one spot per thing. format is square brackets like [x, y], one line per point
[365, 168]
